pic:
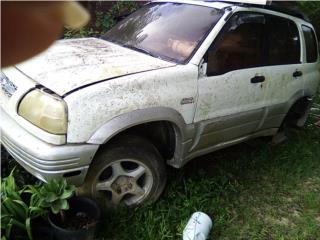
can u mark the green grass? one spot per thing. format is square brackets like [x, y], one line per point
[251, 191]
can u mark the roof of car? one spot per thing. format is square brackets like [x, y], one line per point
[224, 4]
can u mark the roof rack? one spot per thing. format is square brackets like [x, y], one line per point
[270, 5]
[289, 11]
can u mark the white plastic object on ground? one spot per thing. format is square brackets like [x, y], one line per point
[198, 227]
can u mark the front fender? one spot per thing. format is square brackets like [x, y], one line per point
[134, 118]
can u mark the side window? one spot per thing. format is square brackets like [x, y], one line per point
[311, 44]
[238, 46]
[283, 41]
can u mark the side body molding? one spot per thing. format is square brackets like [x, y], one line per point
[128, 120]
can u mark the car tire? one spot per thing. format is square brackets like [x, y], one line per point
[295, 119]
[298, 114]
[130, 171]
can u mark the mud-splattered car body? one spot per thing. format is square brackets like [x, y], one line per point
[108, 90]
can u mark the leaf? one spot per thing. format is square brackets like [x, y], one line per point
[22, 204]
[32, 189]
[23, 208]
[14, 209]
[36, 212]
[67, 194]
[5, 219]
[60, 190]
[49, 187]
[51, 197]
[11, 184]
[64, 205]
[18, 224]
[4, 216]
[28, 226]
[8, 230]
[4, 210]
[62, 186]
[9, 188]
[35, 200]
[55, 207]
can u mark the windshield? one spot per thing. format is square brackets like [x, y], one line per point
[170, 31]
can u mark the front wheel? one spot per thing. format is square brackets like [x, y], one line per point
[130, 171]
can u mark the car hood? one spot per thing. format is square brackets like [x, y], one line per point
[74, 63]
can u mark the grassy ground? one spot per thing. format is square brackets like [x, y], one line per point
[251, 191]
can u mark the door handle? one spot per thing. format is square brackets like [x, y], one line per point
[297, 74]
[258, 79]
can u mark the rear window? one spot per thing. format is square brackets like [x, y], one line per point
[311, 44]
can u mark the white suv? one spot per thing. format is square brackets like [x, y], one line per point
[171, 82]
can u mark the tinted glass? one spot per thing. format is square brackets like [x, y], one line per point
[240, 46]
[167, 30]
[283, 42]
[311, 44]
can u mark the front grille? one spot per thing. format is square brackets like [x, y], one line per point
[7, 87]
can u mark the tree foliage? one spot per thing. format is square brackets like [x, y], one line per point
[312, 10]
[104, 15]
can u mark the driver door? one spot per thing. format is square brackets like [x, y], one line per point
[232, 84]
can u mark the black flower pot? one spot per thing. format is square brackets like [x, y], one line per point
[78, 205]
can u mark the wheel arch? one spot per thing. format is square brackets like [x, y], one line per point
[140, 119]
[298, 104]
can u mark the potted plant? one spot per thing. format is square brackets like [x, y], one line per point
[18, 210]
[70, 217]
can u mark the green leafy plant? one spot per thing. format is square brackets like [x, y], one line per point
[82, 32]
[54, 195]
[14, 210]
[311, 9]
[103, 20]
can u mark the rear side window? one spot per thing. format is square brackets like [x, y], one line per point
[311, 44]
[239, 47]
[283, 41]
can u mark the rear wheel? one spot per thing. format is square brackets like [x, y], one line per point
[295, 118]
[130, 171]
[298, 114]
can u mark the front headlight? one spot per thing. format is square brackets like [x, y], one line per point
[45, 110]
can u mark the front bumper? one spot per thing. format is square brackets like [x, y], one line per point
[43, 160]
